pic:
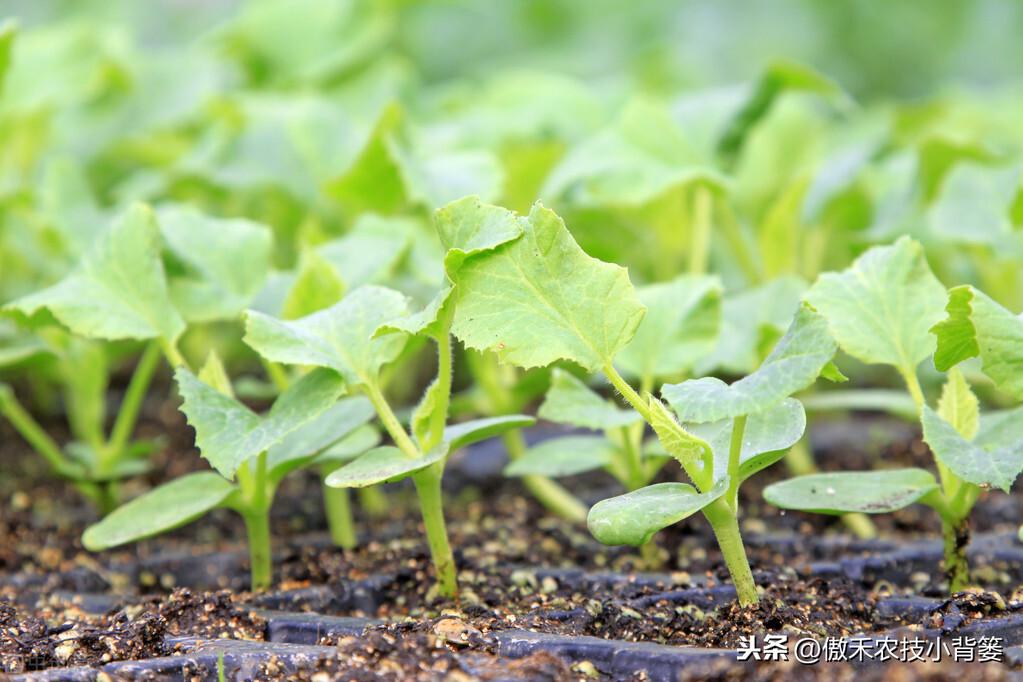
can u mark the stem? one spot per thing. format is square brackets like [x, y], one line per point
[431, 504]
[913, 384]
[174, 356]
[439, 417]
[33, 433]
[700, 243]
[956, 534]
[800, 463]
[734, 459]
[731, 230]
[551, 494]
[256, 512]
[651, 555]
[633, 461]
[338, 507]
[627, 391]
[373, 501]
[127, 415]
[277, 375]
[390, 421]
[726, 530]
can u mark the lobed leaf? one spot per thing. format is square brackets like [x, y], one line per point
[119, 291]
[985, 464]
[795, 363]
[976, 325]
[867, 492]
[468, 227]
[881, 308]
[680, 327]
[162, 509]
[383, 465]
[633, 518]
[228, 433]
[339, 337]
[564, 456]
[570, 401]
[540, 298]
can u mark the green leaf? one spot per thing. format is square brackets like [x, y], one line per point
[119, 291]
[896, 402]
[794, 364]
[959, 406]
[684, 446]
[8, 30]
[383, 465]
[475, 430]
[540, 299]
[976, 325]
[340, 337]
[317, 286]
[867, 492]
[680, 327]
[364, 438]
[214, 375]
[881, 308]
[228, 434]
[986, 465]
[1000, 429]
[974, 203]
[633, 518]
[570, 401]
[469, 227]
[170, 506]
[768, 434]
[217, 283]
[309, 440]
[371, 251]
[431, 321]
[565, 456]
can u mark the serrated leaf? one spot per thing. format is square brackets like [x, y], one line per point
[468, 227]
[540, 299]
[570, 401]
[228, 434]
[383, 465]
[995, 465]
[309, 440]
[633, 518]
[866, 492]
[170, 506]
[882, 307]
[768, 434]
[564, 456]
[317, 286]
[686, 447]
[219, 283]
[119, 291]
[340, 337]
[976, 325]
[958, 405]
[475, 430]
[794, 364]
[681, 325]
[359, 441]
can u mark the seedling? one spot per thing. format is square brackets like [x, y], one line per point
[250, 453]
[367, 330]
[539, 298]
[887, 308]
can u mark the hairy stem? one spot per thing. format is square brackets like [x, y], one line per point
[431, 504]
[390, 421]
[726, 530]
[127, 415]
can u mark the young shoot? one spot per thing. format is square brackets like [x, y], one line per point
[250, 453]
[888, 308]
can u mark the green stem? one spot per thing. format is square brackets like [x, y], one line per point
[338, 507]
[278, 376]
[633, 461]
[699, 250]
[373, 501]
[627, 391]
[128, 414]
[913, 385]
[552, 495]
[734, 460]
[33, 433]
[731, 230]
[439, 416]
[431, 504]
[651, 555]
[390, 420]
[174, 356]
[256, 512]
[726, 530]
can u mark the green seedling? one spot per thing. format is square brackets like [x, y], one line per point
[539, 299]
[364, 332]
[250, 453]
[888, 308]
